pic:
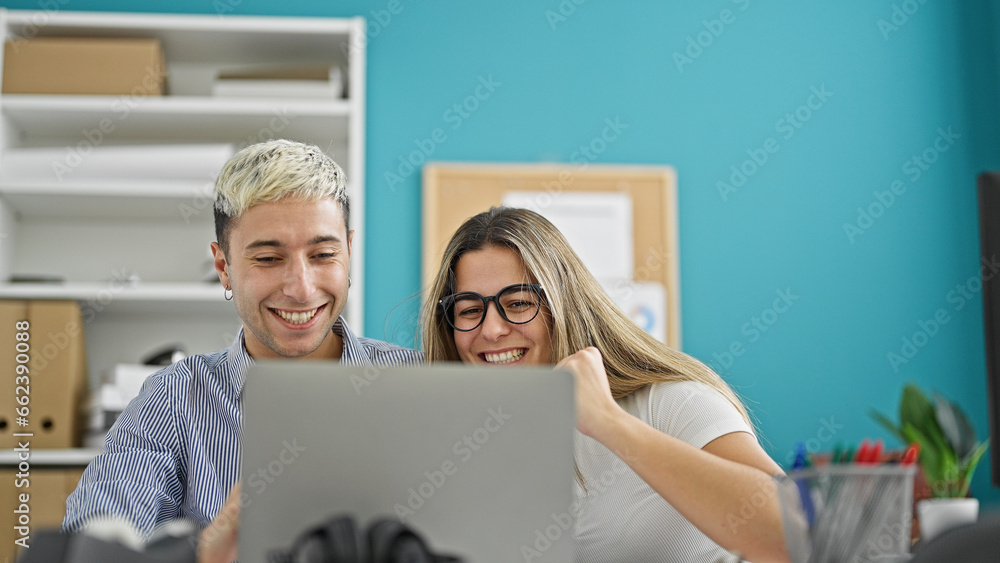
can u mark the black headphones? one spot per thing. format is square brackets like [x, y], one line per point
[338, 540]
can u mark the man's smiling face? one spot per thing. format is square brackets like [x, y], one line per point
[288, 264]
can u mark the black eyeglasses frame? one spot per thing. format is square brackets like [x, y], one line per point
[448, 301]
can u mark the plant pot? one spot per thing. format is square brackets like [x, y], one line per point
[941, 514]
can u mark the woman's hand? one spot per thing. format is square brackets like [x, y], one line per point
[595, 407]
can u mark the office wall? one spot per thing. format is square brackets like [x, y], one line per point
[826, 157]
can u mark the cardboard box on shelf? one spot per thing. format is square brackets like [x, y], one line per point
[56, 384]
[84, 65]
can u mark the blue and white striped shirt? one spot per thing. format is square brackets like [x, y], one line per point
[175, 451]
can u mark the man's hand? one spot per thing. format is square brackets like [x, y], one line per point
[217, 542]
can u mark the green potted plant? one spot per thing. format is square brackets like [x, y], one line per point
[949, 454]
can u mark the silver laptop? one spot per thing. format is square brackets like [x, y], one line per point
[477, 460]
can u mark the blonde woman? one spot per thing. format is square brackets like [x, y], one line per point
[666, 447]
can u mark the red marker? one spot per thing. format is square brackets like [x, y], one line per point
[862, 454]
[875, 454]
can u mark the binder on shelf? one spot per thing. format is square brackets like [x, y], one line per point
[56, 384]
[324, 82]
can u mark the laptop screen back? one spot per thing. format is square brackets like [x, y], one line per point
[479, 461]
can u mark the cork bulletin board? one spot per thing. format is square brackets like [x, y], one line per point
[453, 192]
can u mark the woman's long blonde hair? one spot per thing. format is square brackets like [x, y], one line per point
[582, 313]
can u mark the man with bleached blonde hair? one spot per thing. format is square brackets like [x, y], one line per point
[283, 254]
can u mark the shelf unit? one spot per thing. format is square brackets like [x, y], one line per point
[95, 233]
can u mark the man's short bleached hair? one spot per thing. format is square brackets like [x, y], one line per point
[274, 170]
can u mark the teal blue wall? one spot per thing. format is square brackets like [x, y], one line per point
[825, 360]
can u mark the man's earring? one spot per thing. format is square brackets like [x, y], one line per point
[228, 294]
[348, 281]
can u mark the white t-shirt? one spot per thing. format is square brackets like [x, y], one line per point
[620, 518]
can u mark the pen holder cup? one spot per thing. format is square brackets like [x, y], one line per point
[847, 513]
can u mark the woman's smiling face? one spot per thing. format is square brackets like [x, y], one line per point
[497, 341]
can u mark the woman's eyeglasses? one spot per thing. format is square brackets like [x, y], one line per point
[517, 304]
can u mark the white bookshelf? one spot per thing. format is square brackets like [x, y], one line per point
[90, 231]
